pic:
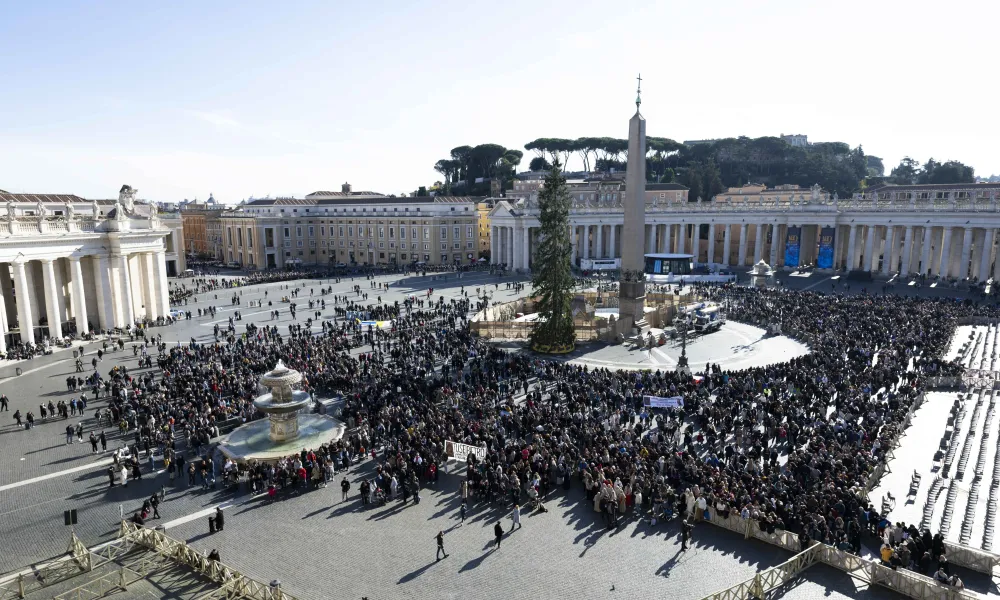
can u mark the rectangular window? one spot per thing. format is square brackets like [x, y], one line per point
[444, 258]
[392, 245]
[468, 231]
[350, 231]
[288, 243]
[312, 231]
[427, 246]
[239, 237]
[230, 232]
[427, 233]
[250, 238]
[457, 231]
[298, 243]
[457, 245]
[341, 243]
[392, 233]
[444, 232]
[469, 245]
[269, 237]
[381, 233]
[298, 231]
[370, 232]
[402, 233]
[340, 231]
[444, 246]
[286, 232]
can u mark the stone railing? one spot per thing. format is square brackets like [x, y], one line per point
[27, 226]
[848, 205]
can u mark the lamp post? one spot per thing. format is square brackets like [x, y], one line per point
[682, 362]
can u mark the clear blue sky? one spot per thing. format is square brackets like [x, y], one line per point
[181, 99]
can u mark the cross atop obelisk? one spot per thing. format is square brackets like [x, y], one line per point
[638, 92]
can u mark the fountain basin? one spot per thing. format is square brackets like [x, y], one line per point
[253, 440]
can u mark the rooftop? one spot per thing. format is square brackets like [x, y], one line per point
[366, 200]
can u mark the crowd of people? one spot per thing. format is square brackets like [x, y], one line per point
[790, 445]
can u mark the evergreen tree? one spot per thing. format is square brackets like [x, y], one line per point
[552, 277]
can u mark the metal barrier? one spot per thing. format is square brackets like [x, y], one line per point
[903, 581]
[234, 584]
[78, 560]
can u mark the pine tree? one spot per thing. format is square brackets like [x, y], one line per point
[552, 277]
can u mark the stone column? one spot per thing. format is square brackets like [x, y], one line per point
[510, 248]
[984, 260]
[493, 244]
[665, 243]
[726, 244]
[681, 238]
[696, 241]
[742, 260]
[149, 273]
[3, 324]
[904, 269]
[925, 251]
[162, 288]
[24, 317]
[599, 247]
[51, 303]
[78, 299]
[651, 240]
[775, 244]
[711, 243]
[572, 244]
[611, 242]
[851, 247]
[869, 249]
[124, 292]
[586, 241]
[945, 252]
[888, 251]
[963, 261]
[758, 245]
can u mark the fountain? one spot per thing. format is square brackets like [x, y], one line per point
[287, 429]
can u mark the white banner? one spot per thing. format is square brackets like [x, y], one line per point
[461, 452]
[658, 402]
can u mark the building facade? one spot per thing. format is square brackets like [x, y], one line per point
[203, 229]
[67, 264]
[352, 228]
[175, 250]
[936, 230]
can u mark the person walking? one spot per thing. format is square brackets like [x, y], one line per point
[498, 532]
[4, 403]
[440, 545]
[220, 520]
[154, 503]
[515, 518]
[345, 488]
[685, 534]
[462, 510]
[104, 442]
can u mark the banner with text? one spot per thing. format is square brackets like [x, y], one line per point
[827, 240]
[461, 452]
[659, 402]
[792, 246]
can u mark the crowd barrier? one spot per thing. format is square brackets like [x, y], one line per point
[902, 581]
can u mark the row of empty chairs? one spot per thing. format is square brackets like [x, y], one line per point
[973, 500]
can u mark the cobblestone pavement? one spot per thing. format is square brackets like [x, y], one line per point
[321, 548]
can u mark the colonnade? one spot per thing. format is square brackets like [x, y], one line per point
[99, 291]
[926, 247]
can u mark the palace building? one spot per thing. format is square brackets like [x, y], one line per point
[70, 264]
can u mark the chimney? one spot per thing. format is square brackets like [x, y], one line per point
[346, 188]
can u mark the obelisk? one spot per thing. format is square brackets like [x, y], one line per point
[632, 284]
